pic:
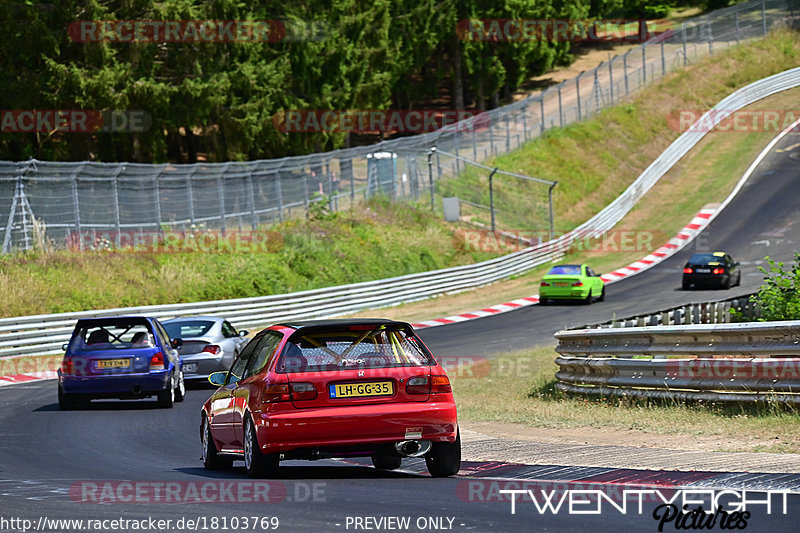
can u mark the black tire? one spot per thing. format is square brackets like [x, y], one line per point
[211, 459]
[685, 285]
[444, 459]
[588, 300]
[166, 398]
[180, 388]
[727, 284]
[602, 297]
[66, 402]
[386, 462]
[256, 463]
[739, 279]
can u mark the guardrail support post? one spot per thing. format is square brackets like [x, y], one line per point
[430, 175]
[550, 204]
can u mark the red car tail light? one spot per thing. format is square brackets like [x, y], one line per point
[719, 271]
[303, 391]
[688, 270]
[418, 385]
[212, 349]
[276, 392]
[68, 367]
[544, 284]
[157, 361]
[578, 284]
[440, 384]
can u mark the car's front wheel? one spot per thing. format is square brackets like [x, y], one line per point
[256, 463]
[386, 462]
[444, 459]
[211, 460]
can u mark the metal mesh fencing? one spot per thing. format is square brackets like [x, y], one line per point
[53, 202]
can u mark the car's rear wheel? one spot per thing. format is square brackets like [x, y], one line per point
[739, 279]
[588, 299]
[386, 462]
[211, 460]
[166, 398]
[256, 463]
[727, 284]
[544, 301]
[685, 285]
[444, 459]
[180, 388]
[65, 401]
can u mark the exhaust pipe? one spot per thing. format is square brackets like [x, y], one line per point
[412, 448]
[136, 389]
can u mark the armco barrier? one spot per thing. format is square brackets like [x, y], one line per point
[721, 362]
[44, 334]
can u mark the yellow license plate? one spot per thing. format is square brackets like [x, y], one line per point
[561, 284]
[357, 390]
[114, 363]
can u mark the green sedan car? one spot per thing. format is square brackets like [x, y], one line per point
[572, 282]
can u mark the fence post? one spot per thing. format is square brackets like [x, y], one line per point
[550, 202]
[330, 186]
[474, 141]
[644, 65]
[491, 138]
[252, 201]
[279, 193]
[710, 38]
[737, 28]
[625, 69]
[541, 114]
[305, 190]
[76, 209]
[560, 108]
[190, 194]
[764, 16]
[221, 192]
[663, 60]
[578, 93]
[158, 201]
[611, 78]
[430, 174]
[116, 203]
[683, 31]
[508, 135]
[491, 197]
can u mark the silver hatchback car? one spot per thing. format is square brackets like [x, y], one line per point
[210, 344]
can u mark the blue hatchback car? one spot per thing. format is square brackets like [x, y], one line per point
[120, 357]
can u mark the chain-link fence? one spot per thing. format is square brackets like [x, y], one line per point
[54, 201]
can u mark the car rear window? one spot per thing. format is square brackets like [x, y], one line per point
[120, 336]
[566, 270]
[381, 347]
[705, 259]
[188, 329]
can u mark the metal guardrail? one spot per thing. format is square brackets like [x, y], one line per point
[717, 312]
[752, 361]
[44, 334]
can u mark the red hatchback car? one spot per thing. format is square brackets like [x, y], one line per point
[332, 388]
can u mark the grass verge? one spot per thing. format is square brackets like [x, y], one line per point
[519, 388]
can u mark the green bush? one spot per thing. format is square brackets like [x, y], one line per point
[779, 296]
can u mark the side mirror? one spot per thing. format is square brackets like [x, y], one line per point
[244, 333]
[65, 346]
[176, 343]
[217, 378]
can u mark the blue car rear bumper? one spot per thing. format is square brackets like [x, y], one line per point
[116, 386]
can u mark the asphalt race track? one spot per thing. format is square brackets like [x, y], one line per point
[68, 465]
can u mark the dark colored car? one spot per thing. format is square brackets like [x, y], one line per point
[711, 269]
[120, 357]
[332, 388]
[210, 344]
